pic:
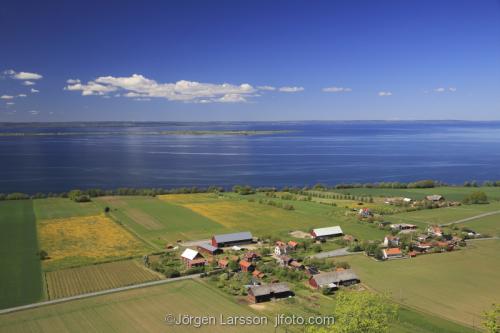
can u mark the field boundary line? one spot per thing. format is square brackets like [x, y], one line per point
[133, 232]
[97, 293]
[471, 218]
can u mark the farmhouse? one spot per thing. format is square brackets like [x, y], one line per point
[392, 253]
[251, 256]
[391, 241]
[192, 258]
[265, 293]
[232, 239]
[209, 249]
[332, 280]
[246, 266]
[435, 231]
[322, 233]
[434, 198]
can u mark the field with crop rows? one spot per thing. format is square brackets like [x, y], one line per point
[81, 280]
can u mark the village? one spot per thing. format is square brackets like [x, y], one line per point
[267, 269]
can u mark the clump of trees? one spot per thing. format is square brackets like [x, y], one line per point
[360, 312]
[492, 319]
[476, 197]
[243, 189]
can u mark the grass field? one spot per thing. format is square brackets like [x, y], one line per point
[77, 241]
[157, 221]
[237, 213]
[20, 272]
[450, 193]
[54, 208]
[456, 285]
[139, 310]
[489, 225]
[425, 217]
[81, 280]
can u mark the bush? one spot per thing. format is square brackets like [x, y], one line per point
[476, 197]
[171, 273]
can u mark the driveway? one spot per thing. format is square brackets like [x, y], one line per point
[335, 253]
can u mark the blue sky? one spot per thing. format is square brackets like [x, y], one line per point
[253, 60]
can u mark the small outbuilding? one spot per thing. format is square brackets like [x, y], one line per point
[393, 253]
[246, 266]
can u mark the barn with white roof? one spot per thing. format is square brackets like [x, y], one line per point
[322, 233]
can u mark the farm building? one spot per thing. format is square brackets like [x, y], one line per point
[434, 198]
[391, 241]
[435, 231]
[403, 226]
[322, 233]
[209, 249]
[292, 245]
[332, 280]
[311, 270]
[265, 293]
[232, 239]
[192, 258]
[246, 266]
[365, 212]
[223, 263]
[258, 274]
[294, 264]
[392, 253]
[251, 256]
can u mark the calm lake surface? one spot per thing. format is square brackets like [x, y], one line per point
[327, 152]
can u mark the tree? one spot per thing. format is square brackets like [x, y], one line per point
[360, 312]
[492, 319]
[233, 265]
[476, 197]
[43, 254]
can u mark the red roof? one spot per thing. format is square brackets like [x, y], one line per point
[246, 264]
[393, 251]
[280, 243]
[223, 262]
[293, 243]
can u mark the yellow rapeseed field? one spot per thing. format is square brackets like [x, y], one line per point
[75, 240]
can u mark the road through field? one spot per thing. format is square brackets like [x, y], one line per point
[472, 218]
[98, 293]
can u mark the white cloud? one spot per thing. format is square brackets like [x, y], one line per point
[442, 89]
[34, 91]
[22, 75]
[34, 112]
[29, 83]
[384, 93]
[268, 88]
[337, 89]
[10, 103]
[291, 89]
[21, 95]
[7, 97]
[138, 86]
[72, 81]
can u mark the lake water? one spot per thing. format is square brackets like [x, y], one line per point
[326, 152]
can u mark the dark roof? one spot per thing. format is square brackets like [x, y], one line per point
[269, 288]
[238, 236]
[323, 279]
[208, 247]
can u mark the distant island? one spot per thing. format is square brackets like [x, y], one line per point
[179, 132]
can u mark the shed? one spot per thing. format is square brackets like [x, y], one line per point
[209, 249]
[192, 258]
[332, 280]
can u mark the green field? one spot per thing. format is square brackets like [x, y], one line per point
[457, 285]
[456, 193]
[422, 218]
[53, 208]
[139, 310]
[158, 222]
[20, 271]
[239, 213]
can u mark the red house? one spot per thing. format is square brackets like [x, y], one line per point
[246, 266]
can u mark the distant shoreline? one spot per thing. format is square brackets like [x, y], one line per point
[194, 132]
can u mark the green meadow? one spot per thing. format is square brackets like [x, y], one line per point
[20, 270]
[456, 285]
